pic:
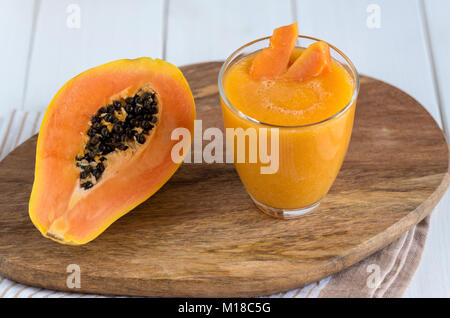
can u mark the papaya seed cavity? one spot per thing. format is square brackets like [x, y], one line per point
[122, 124]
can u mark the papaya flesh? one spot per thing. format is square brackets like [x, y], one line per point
[105, 146]
[273, 61]
[312, 62]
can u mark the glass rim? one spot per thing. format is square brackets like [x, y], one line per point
[244, 116]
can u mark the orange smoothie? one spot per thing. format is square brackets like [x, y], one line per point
[314, 121]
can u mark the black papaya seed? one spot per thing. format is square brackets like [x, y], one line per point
[130, 133]
[87, 168]
[121, 147]
[137, 99]
[102, 110]
[145, 124]
[133, 123]
[138, 110]
[140, 138]
[87, 185]
[109, 118]
[117, 105]
[92, 132]
[105, 132]
[84, 174]
[129, 108]
[118, 129]
[96, 173]
[101, 148]
[108, 149]
[90, 147]
[95, 140]
[87, 158]
[100, 165]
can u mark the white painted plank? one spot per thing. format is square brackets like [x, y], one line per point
[14, 123]
[108, 30]
[5, 132]
[437, 17]
[16, 18]
[3, 129]
[16, 127]
[395, 52]
[32, 122]
[433, 275]
[205, 30]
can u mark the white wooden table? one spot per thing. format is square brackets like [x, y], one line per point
[403, 42]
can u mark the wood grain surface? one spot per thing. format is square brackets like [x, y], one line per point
[200, 235]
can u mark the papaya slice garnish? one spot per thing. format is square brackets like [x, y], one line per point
[315, 60]
[273, 61]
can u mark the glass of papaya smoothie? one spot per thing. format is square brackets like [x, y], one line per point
[291, 101]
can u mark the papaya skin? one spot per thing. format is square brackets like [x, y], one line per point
[52, 208]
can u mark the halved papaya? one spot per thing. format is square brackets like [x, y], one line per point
[312, 62]
[273, 61]
[105, 146]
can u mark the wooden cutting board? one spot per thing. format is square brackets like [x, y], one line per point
[201, 235]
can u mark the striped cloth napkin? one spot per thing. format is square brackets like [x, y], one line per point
[387, 273]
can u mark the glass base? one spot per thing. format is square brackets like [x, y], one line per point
[284, 213]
